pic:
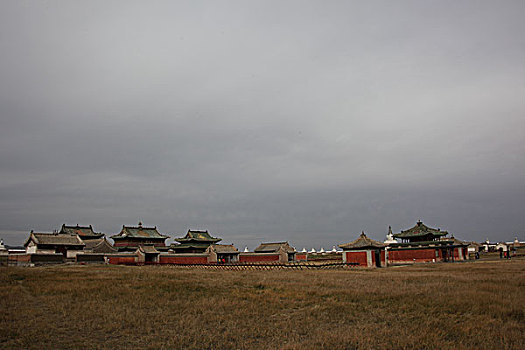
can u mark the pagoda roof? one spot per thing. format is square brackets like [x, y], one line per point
[419, 230]
[198, 235]
[274, 247]
[139, 232]
[82, 231]
[362, 242]
[54, 239]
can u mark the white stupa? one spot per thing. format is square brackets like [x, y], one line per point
[389, 237]
[322, 250]
[304, 250]
[246, 250]
[334, 249]
[312, 251]
[3, 249]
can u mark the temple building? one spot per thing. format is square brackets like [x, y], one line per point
[222, 253]
[195, 241]
[425, 244]
[365, 252]
[147, 254]
[131, 237]
[85, 233]
[420, 233]
[284, 250]
[54, 243]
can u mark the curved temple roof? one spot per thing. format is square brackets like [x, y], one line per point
[420, 230]
[197, 235]
[139, 232]
[362, 242]
[82, 231]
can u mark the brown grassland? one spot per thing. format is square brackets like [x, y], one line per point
[474, 305]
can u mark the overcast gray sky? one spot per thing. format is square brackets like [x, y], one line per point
[306, 121]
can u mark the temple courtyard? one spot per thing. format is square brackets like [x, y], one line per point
[474, 304]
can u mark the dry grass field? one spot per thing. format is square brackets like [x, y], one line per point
[478, 305]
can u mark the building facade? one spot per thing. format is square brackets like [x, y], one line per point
[194, 242]
[365, 252]
[131, 237]
[54, 243]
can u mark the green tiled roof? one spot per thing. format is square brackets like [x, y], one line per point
[82, 231]
[189, 245]
[420, 230]
[139, 232]
[198, 236]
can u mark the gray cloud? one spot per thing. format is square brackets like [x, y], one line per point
[262, 121]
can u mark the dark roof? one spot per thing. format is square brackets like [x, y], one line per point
[457, 241]
[419, 230]
[14, 247]
[54, 239]
[362, 242]
[274, 247]
[139, 232]
[100, 245]
[82, 231]
[198, 235]
[190, 245]
[224, 248]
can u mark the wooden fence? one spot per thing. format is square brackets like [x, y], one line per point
[262, 266]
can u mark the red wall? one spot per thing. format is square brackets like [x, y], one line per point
[116, 260]
[21, 258]
[170, 259]
[357, 257]
[456, 253]
[258, 258]
[302, 256]
[421, 255]
[381, 257]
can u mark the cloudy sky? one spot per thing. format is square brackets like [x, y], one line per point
[306, 121]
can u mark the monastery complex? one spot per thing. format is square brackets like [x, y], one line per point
[141, 245]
